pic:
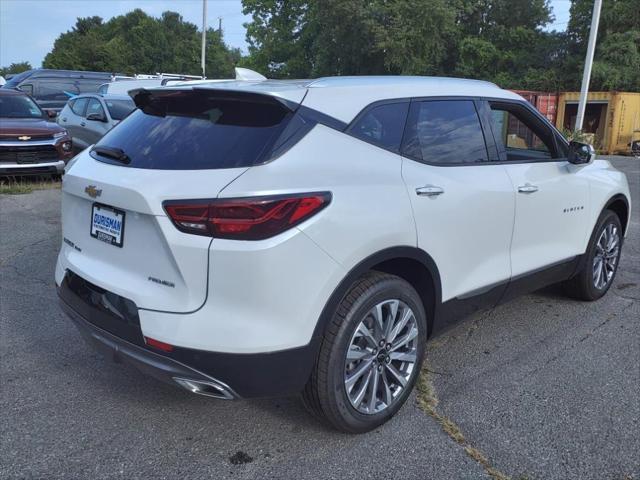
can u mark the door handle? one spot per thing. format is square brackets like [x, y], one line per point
[82, 124]
[429, 191]
[527, 188]
[64, 119]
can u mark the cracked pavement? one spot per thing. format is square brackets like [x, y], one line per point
[545, 387]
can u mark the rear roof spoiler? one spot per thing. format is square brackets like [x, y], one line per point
[142, 96]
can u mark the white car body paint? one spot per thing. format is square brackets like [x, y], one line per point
[267, 295]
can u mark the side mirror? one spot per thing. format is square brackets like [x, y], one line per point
[580, 153]
[97, 117]
[51, 113]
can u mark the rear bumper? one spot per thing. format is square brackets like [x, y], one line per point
[216, 374]
[149, 363]
[45, 168]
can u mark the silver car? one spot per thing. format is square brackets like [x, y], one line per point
[88, 117]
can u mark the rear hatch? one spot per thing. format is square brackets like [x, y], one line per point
[179, 144]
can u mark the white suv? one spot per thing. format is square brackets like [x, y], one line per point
[245, 239]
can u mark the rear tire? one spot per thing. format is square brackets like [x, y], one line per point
[370, 356]
[601, 260]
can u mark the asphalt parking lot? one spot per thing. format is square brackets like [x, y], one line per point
[544, 387]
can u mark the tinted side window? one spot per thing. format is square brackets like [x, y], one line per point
[382, 125]
[95, 107]
[88, 85]
[79, 105]
[27, 88]
[521, 135]
[56, 89]
[445, 132]
[119, 109]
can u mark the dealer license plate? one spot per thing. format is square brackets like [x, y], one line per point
[107, 224]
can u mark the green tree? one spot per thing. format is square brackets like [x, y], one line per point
[14, 68]
[349, 37]
[616, 63]
[279, 37]
[342, 36]
[504, 41]
[498, 40]
[139, 43]
[418, 38]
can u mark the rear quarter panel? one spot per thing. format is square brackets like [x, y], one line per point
[370, 208]
[268, 295]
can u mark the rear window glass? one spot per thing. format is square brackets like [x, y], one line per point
[198, 130]
[118, 109]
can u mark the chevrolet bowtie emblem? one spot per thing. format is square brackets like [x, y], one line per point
[92, 191]
[24, 138]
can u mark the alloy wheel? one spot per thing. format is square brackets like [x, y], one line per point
[605, 260]
[381, 356]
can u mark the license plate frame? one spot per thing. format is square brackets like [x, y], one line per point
[101, 232]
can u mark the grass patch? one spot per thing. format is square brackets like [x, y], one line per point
[428, 401]
[21, 186]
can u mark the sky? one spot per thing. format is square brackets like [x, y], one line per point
[28, 28]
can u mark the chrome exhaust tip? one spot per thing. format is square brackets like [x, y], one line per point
[210, 388]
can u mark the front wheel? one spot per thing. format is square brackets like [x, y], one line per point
[601, 260]
[370, 355]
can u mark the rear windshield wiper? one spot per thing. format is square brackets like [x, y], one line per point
[112, 152]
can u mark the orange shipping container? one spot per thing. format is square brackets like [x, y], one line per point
[545, 102]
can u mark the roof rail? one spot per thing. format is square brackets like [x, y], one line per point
[179, 75]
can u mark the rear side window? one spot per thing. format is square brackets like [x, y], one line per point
[88, 85]
[193, 130]
[56, 89]
[382, 125]
[445, 132]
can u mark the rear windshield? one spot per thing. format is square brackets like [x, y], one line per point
[194, 130]
[119, 109]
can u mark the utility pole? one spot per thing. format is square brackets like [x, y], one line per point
[588, 63]
[220, 26]
[204, 36]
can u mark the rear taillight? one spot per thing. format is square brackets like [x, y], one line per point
[252, 218]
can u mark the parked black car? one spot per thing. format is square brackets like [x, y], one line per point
[52, 88]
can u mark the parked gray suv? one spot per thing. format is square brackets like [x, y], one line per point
[88, 117]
